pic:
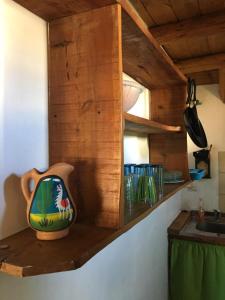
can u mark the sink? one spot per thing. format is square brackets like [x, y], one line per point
[211, 227]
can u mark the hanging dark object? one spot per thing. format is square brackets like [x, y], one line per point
[202, 161]
[192, 123]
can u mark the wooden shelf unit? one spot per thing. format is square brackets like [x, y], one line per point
[88, 53]
[88, 50]
[137, 124]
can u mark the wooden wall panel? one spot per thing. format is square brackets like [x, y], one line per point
[167, 106]
[85, 108]
[171, 151]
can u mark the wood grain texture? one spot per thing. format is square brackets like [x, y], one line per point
[211, 6]
[54, 9]
[143, 59]
[137, 124]
[203, 26]
[172, 11]
[205, 35]
[167, 106]
[199, 64]
[85, 109]
[222, 83]
[26, 256]
[143, 12]
[206, 77]
[184, 9]
[188, 48]
[216, 42]
[161, 11]
[170, 151]
[153, 12]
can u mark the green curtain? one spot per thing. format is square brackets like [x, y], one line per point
[197, 271]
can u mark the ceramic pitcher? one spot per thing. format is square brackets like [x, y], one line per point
[50, 208]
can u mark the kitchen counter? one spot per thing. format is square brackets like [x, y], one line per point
[184, 228]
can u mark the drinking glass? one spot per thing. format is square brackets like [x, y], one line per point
[157, 172]
[129, 192]
[146, 189]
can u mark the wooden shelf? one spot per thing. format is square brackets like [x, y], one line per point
[23, 255]
[27, 256]
[143, 58]
[137, 124]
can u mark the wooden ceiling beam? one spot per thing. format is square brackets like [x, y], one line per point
[194, 66]
[203, 63]
[206, 77]
[198, 26]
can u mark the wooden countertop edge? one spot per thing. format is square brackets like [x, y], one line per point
[178, 224]
[180, 221]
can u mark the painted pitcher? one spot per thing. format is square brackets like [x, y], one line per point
[50, 208]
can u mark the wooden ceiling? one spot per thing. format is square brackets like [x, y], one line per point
[192, 32]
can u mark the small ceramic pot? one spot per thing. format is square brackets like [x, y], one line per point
[50, 207]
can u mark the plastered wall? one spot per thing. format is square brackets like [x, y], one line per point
[212, 116]
[23, 101]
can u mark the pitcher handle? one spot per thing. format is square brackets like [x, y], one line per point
[25, 180]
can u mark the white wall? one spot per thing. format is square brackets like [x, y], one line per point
[23, 126]
[133, 267]
[212, 116]
[136, 148]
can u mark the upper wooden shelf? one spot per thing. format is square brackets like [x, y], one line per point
[137, 124]
[23, 255]
[143, 58]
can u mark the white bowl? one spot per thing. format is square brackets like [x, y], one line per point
[131, 92]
